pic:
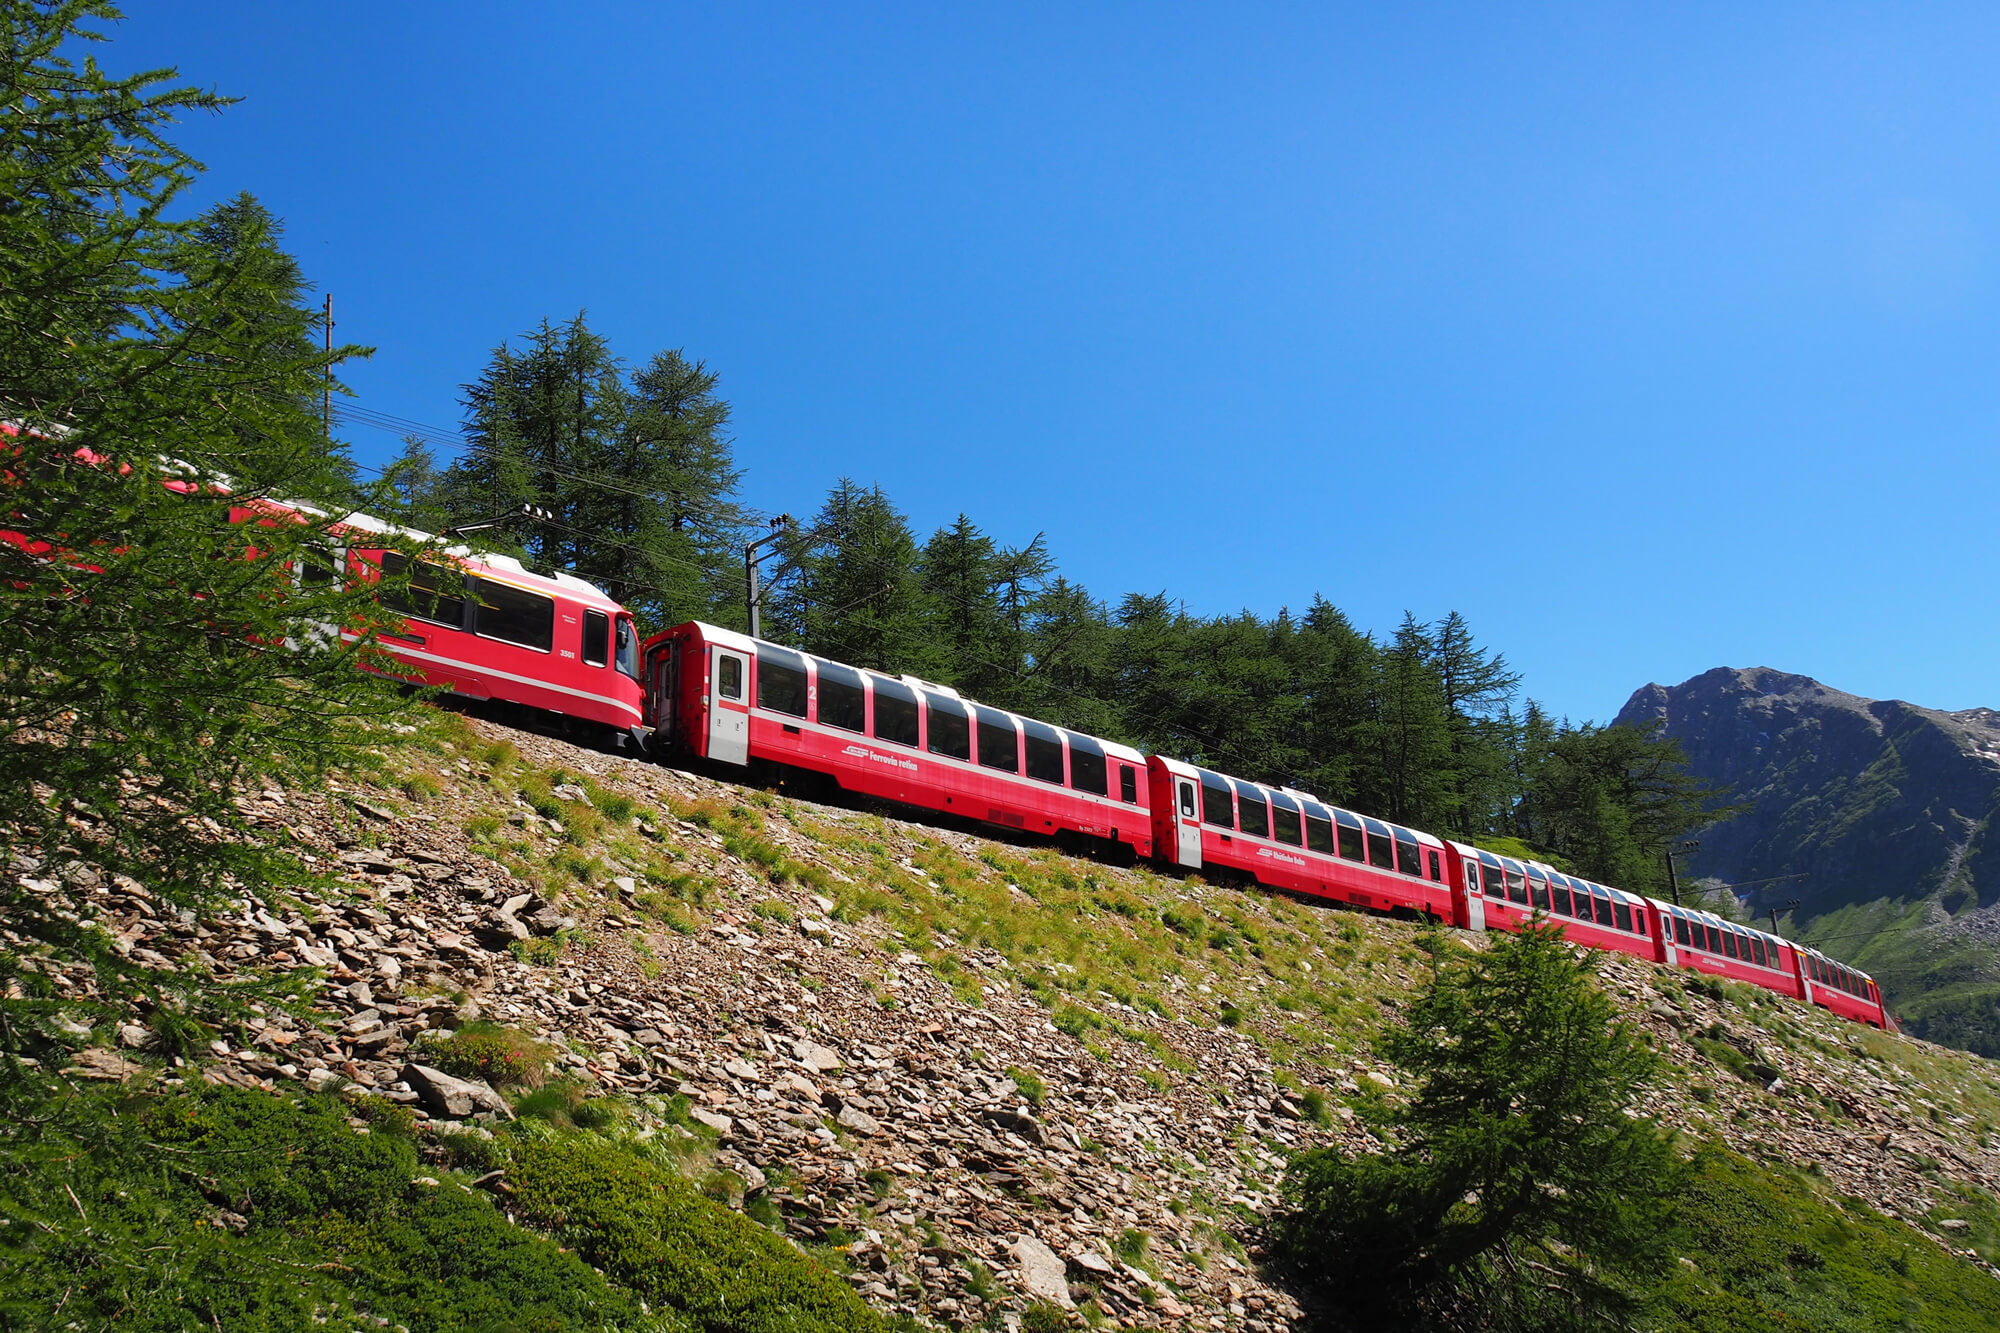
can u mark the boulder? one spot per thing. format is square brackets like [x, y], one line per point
[455, 1098]
[1043, 1275]
[858, 1120]
[818, 1058]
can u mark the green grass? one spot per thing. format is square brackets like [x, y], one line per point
[223, 1208]
[647, 1229]
[1771, 1252]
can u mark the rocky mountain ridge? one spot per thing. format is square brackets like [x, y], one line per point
[967, 1133]
[1876, 815]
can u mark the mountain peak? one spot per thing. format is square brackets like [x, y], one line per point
[1852, 801]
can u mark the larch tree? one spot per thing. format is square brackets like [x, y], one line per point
[1518, 1190]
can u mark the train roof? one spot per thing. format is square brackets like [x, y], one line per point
[743, 643]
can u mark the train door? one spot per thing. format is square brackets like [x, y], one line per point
[729, 706]
[1187, 821]
[663, 682]
[1472, 914]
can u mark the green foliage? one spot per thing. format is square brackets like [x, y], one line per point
[244, 1210]
[501, 1056]
[646, 1228]
[637, 468]
[1033, 1091]
[1767, 1250]
[1514, 1183]
[113, 321]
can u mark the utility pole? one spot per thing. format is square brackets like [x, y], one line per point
[753, 594]
[1791, 906]
[326, 391]
[1673, 879]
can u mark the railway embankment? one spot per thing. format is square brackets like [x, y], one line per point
[979, 1081]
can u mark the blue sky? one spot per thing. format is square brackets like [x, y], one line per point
[1649, 338]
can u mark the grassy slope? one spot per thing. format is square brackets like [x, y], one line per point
[1133, 964]
[1945, 990]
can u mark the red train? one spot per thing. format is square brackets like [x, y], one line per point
[716, 695]
[485, 627]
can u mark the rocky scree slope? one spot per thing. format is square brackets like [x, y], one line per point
[1884, 806]
[984, 1079]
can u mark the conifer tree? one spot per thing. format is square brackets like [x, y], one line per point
[639, 475]
[960, 575]
[1516, 1192]
[158, 657]
[1412, 731]
[851, 588]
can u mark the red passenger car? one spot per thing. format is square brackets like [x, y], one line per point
[717, 695]
[485, 627]
[1290, 841]
[1494, 892]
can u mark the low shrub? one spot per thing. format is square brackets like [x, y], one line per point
[237, 1209]
[501, 1056]
[1033, 1091]
[645, 1227]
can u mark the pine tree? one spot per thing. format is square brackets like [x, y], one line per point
[539, 423]
[960, 574]
[158, 658]
[850, 588]
[1516, 1191]
[1412, 730]
[1476, 687]
[676, 446]
[1611, 800]
[1336, 668]
[246, 295]
[639, 476]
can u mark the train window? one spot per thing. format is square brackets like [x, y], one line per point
[512, 615]
[1603, 901]
[1517, 887]
[895, 712]
[1437, 870]
[1128, 784]
[1253, 815]
[1681, 931]
[1187, 800]
[1407, 859]
[1714, 937]
[628, 647]
[999, 743]
[435, 593]
[841, 701]
[1729, 943]
[1319, 835]
[1538, 892]
[781, 681]
[1757, 951]
[1350, 844]
[951, 732]
[1218, 806]
[317, 566]
[1381, 854]
[1045, 751]
[1559, 901]
[597, 640]
[1086, 765]
[728, 675]
[1285, 826]
[1622, 915]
